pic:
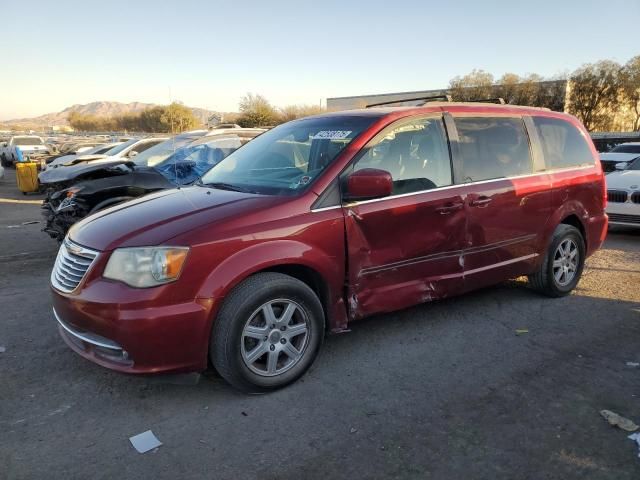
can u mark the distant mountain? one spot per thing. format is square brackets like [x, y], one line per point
[100, 109]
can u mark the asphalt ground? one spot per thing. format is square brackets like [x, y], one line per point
[446, 390]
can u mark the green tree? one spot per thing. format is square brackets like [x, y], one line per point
[593, 93]
[292, 112]
[630, 81]
[177, 118]
[256, 111]
[476, 85]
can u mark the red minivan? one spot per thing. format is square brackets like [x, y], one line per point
[325, 220]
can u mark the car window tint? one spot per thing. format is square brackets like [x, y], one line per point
[144, 146]
[493, 147]
[562, 143]
[416, 154]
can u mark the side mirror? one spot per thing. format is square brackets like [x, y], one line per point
[621, 166]
[132, 154]
[369, 183]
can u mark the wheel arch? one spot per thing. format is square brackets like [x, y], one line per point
[323, 273]
[573, 220]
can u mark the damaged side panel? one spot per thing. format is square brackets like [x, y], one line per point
[404, 250]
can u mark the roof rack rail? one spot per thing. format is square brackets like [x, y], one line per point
[499, 100]
[446, 98]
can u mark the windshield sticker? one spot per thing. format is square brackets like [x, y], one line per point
[304, 180]
[331, 135]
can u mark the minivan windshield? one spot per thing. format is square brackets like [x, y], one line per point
[288, 158]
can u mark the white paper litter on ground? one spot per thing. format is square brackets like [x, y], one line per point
[145, 441]
[2, 349]
[633, 364]
[636, 438]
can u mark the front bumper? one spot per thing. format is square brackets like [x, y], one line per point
[134, 336]
[625, 214]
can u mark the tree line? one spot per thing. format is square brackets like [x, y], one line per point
[173, 118]
[604, 95]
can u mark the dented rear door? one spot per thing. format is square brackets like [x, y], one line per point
[406, 249]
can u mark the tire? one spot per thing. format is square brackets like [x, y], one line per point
[242, 341]
[549, 279]
[4, 161]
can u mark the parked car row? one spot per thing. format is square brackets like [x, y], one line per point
[315, 224]
[79, 185]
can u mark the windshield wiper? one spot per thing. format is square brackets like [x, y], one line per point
[225, 186]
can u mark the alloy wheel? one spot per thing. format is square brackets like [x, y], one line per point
[565, 262]
[274, 337]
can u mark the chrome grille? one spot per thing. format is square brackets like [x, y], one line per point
[617, 196]
[71, 265]
[623, 218]
[635, 197]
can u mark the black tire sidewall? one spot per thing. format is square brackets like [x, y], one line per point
[565, 232]
[232, 319]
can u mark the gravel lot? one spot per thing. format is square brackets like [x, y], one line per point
[446, 390]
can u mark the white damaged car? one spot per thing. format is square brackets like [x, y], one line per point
[623, 195]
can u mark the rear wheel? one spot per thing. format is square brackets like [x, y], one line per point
[562, 266]
[4, 161]
[267, 333]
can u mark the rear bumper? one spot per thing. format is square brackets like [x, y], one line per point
[141, 339]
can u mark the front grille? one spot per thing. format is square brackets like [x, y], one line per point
[622, 218]
[635, 198]
[617, 196]
[71, 265]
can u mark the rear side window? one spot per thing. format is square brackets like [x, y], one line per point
[493, 147]
[562, 143]
[415, 153]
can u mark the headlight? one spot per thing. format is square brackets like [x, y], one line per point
[144, 267]
[72, 191]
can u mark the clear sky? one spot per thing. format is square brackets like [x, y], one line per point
[210, 53]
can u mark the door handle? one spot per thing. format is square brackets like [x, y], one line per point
[447, 208]
[480, 201]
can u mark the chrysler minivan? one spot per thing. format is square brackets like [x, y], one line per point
[325, 220]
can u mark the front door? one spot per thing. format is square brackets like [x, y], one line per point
[406, 248]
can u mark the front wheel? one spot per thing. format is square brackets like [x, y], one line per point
[268, 332]
[562, 266]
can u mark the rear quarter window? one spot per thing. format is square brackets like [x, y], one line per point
[562, 143]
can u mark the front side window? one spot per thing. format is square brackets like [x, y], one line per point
[493, 147]
[288, 158]
[116, 150]
[562, 143]
[415, 153]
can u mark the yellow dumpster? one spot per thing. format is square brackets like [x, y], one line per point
[27, 176]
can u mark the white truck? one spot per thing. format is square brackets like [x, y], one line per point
[28, 144]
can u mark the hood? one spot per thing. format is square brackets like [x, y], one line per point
[624, 180]
[144, 179]
[160, 216]
[618, 157]
[64, 173]
[72, 159]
